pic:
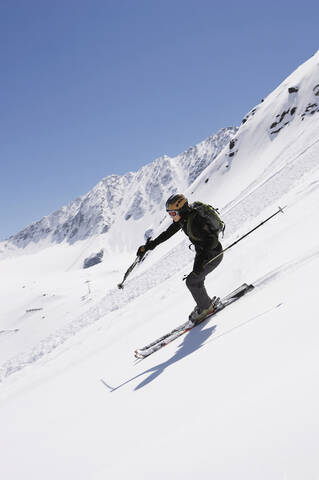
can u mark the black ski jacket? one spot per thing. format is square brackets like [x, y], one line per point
[206, 242]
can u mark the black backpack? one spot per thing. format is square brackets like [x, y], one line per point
[211, 216]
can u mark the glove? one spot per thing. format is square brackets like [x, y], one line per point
[149, 245]
[141, 251]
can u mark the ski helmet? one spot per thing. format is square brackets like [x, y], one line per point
[177, 202]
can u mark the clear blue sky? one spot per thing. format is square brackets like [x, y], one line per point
[95, 87]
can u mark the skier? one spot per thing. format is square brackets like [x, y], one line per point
[205, 239]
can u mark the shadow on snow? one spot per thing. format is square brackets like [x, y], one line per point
[193, 340]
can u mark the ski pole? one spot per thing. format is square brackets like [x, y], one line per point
[246, 234]
[128, 271]
[136, 261]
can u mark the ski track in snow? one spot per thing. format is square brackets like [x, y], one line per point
[242, 211]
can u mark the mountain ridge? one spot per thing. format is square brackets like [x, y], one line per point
[130, 195]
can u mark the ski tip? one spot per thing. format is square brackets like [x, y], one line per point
[138, 354]
[247, 286]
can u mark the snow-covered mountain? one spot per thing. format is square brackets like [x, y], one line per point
[131, 196]
[235, 398]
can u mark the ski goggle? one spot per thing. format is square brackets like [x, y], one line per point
[173, 213]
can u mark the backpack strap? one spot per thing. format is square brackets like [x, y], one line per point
[190, 220]
[189, 227]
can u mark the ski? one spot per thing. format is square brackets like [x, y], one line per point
[164, 340]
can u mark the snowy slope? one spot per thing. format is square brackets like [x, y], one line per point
[237, 397]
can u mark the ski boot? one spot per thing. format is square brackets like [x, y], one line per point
[198, 315]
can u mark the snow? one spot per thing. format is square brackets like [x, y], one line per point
[237, 397]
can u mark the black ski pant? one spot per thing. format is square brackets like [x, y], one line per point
[195, 283]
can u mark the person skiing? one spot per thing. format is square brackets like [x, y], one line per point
[207, 246]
